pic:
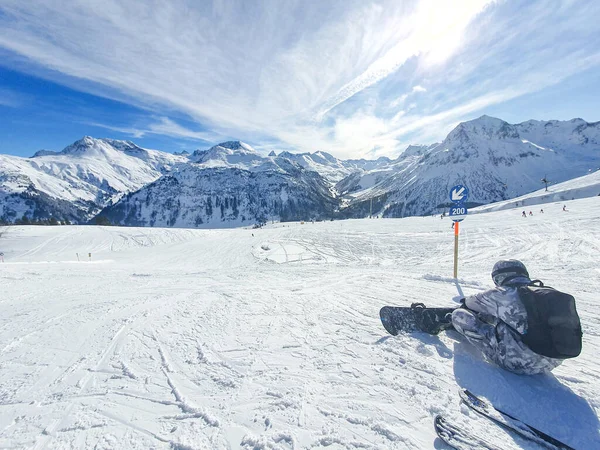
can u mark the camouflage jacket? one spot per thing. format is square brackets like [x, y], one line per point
[502, 317]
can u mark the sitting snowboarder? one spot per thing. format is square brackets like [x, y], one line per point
[520, 325]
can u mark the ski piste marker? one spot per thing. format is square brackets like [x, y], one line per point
[459, 195]
[510, 423]
[458, 438]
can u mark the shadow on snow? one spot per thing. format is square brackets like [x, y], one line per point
[540, 400]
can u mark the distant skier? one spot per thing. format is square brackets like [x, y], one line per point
[522, 326]
[524, 214]
[530, 213]
[541, 211]
[564, 207]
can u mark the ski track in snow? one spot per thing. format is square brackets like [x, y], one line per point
[202, 339]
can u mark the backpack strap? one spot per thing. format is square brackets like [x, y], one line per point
[538, 283]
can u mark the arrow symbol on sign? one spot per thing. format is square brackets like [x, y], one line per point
[457, 195]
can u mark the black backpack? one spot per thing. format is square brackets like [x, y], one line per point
[553, 326]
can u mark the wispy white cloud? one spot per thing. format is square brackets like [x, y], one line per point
[10, 98]
[164, 127]
[132, 131]
[167, 127]
[425, 31]
[400, 100]
[346, 76]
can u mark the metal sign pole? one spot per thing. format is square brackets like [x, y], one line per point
[458, 195]
[456, 225]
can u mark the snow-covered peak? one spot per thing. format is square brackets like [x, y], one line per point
[567, 124]
[81, 146]
[86, 176]
[359, 165]
[44, 153]
[286, 154]
[124, 146]
[93, 147]
[325, 164]
[416, 150]
[484, 127]
[571, 135]
[236, 145]
[486, 121]
[228, 154]
[324, 157]
[236, 154]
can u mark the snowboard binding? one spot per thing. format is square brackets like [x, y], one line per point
[432, 320]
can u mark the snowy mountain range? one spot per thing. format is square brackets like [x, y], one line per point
[495, 159]
[231, 184]
[212, 197]
[78, 182]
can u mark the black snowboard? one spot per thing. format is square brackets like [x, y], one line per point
[410, 319]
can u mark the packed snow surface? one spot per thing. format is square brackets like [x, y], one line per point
[580, 187]
[270, 338]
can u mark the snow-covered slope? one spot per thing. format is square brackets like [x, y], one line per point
[496, 160]
[218, 339]
[86, 175]
[581, 187]
[197, 196]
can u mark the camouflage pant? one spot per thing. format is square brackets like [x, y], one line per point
[500, 344]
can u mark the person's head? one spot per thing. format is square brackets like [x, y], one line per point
[510, 272]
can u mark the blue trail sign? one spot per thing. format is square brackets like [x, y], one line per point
[459, 194]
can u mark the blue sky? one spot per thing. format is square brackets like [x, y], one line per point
[355, 78]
